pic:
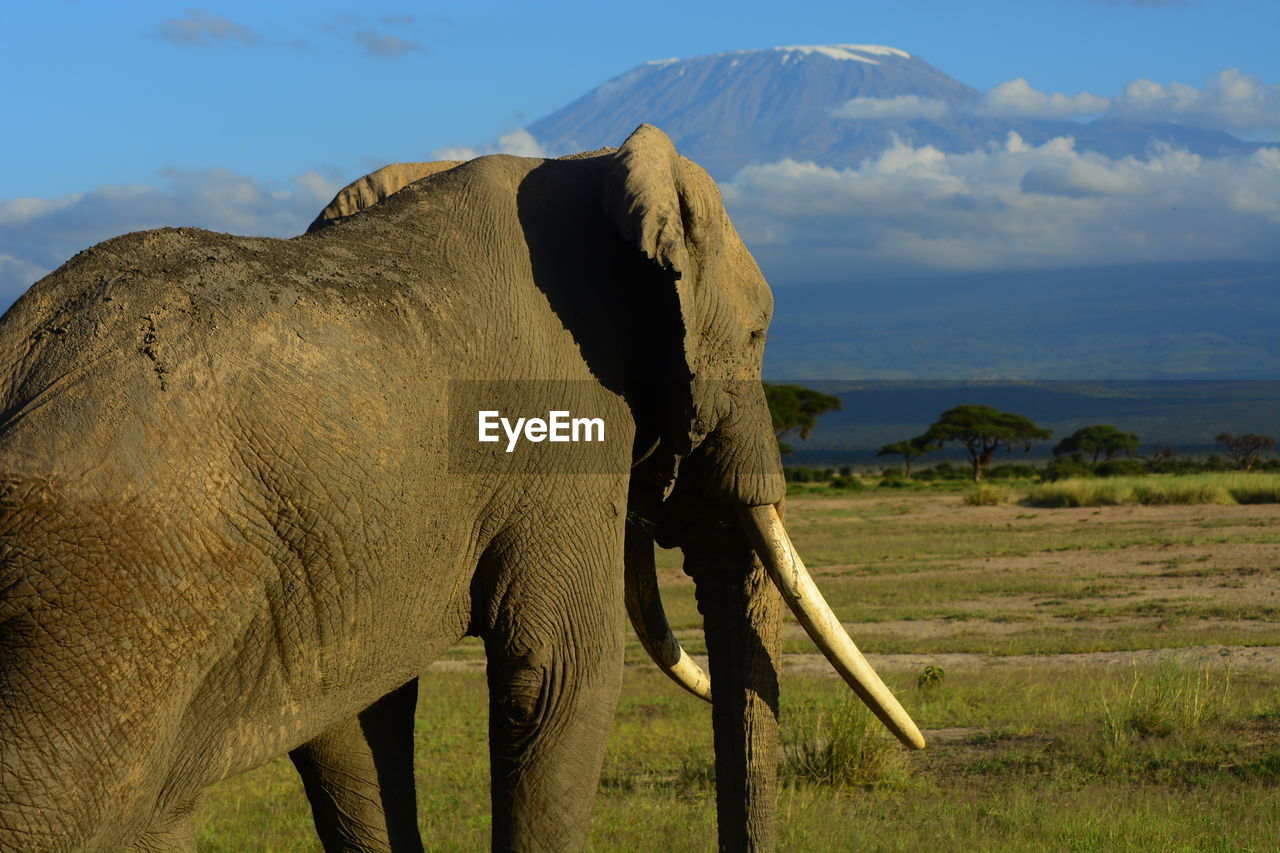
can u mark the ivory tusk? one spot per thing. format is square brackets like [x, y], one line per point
[644, 606]
[764, 528]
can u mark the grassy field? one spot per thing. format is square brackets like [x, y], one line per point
[1089, 678]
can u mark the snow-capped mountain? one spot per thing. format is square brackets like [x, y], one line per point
[729, 110]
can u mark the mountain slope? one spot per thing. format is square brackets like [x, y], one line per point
[730, 110]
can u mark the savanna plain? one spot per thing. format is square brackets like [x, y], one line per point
[1088, 677]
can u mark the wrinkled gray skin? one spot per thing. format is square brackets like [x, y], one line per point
[231, 525]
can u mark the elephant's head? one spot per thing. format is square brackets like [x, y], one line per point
[728, 481]
[707, 475]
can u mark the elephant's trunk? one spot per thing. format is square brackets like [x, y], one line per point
[744, 568]
[742, 612]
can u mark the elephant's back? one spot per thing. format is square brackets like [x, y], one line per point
[185, 339]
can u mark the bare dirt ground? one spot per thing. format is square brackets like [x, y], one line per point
[1174, 569]
[1170, 569]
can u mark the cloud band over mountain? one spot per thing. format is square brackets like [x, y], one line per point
[1230, 100]
[917, 209]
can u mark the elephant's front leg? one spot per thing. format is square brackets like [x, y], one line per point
[358, 776]
[555, 669]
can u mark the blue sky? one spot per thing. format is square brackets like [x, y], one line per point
[112, 93]
[243, 116]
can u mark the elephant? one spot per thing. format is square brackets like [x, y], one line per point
[365, 192]
[246, 499]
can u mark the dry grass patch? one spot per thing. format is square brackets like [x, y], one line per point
[1159, 490]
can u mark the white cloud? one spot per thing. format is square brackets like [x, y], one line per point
[15, 211]
[384, 46]
[519, 142]
[37, 235]
[1082, 177]
[1230, 100]
[898, 107]
[198, 28]
[1013, 98]
[16, 275]
[1017, 98]
[916, 210]
[380, 45]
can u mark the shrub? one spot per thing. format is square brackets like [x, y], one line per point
[944, 470]
[1079, 492]
[893, 478]
[1262, 492]
[1066, 468]
[1159, 490]
[1199, 490]
[1121, 468]
[984, 495]
[1175, 465]
[929, 677]
[798, 475]
[848, 484]
[1013, 471]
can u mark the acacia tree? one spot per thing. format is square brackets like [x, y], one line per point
[1098, 439]
[795, 410]
[910, 450]
[1244, 450]
[983, 430]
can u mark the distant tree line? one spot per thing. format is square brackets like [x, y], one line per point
[984, 431]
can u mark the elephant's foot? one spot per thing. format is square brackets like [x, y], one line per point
[358, 776]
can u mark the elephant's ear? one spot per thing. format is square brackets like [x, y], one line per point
[374, 187]
[642, 194]
[671, 211]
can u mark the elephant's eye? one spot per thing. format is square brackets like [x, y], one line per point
[758, 336]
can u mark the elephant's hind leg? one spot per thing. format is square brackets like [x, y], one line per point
[358, 776]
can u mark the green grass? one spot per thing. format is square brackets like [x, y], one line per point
[1024, 756]
[835, 741]
[1026, 761]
